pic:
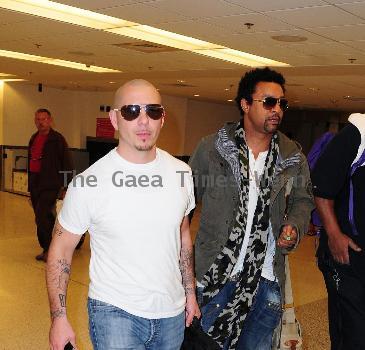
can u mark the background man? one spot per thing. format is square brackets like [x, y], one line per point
[256, 194]
[141, 249]
[339, 189]
[48, 157]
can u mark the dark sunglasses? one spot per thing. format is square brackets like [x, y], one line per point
[131, 112]
[271, 102]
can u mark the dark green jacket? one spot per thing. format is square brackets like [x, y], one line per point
[217, 189]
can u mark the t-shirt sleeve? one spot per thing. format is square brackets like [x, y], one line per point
[190, 189]
[75, 213]
[332, 168]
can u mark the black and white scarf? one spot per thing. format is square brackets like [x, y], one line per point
[229, 323]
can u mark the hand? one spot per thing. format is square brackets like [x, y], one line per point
[60, 334]
[62, 194]
[313, 230]
[288, 237]
[191, 309]
[339, 247]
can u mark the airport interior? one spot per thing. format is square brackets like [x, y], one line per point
[70, 56]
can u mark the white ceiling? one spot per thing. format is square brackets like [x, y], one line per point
[319, 77]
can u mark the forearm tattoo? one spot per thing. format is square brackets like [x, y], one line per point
[57, 230]
[186, 268]
[58, 313]
[62, 298]
[65, 270]
[57, 280]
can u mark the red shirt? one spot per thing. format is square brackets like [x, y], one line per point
[36, 152]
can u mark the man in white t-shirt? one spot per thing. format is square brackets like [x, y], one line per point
[134, 202]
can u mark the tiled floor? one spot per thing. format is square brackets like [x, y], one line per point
[24, 315]
[24, 320]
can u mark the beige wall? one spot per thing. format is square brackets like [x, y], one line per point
[1, 113]
[172, 137]
[20, 102]
[204, 118]
[87, 110]
[75, 114]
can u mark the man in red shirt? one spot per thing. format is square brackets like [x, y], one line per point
[48, 159]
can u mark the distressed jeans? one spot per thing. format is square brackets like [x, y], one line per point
[261, 321]
[112, 328]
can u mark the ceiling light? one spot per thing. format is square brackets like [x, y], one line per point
[239, 57]
[289, 38]
[64, 13]
[11, 79]
[56, 62]
[196, 95]
[162, 37]
[90, 19]
[229, 100]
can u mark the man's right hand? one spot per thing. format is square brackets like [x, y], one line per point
[339, 245]
[60, 334]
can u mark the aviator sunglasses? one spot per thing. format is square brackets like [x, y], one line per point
[131, 112]
[271, 102]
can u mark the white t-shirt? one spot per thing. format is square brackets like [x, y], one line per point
[256, 168]
[133, 215]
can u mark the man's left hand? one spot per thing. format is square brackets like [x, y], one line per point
[191, 309]
[288, 236]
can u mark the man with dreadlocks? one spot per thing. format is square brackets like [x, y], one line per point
[255, 190]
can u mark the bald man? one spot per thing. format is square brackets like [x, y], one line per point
[135, 203]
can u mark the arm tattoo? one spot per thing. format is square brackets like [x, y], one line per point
[62, 299]
[186, 268]
[58, 230]
[65, 270]
[58, 275]
[58, 314]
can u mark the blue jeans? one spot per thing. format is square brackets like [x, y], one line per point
[113, 328]
[261, 321]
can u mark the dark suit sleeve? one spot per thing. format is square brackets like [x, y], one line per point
[332, 168]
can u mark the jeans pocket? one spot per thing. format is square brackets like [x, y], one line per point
[267, 309]
[209, 314]
[275, 307]
[273, 311]
[100, 306]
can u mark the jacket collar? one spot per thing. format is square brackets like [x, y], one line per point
[51, 135]
[287, 147]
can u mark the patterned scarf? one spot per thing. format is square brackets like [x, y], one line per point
[230, 321]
